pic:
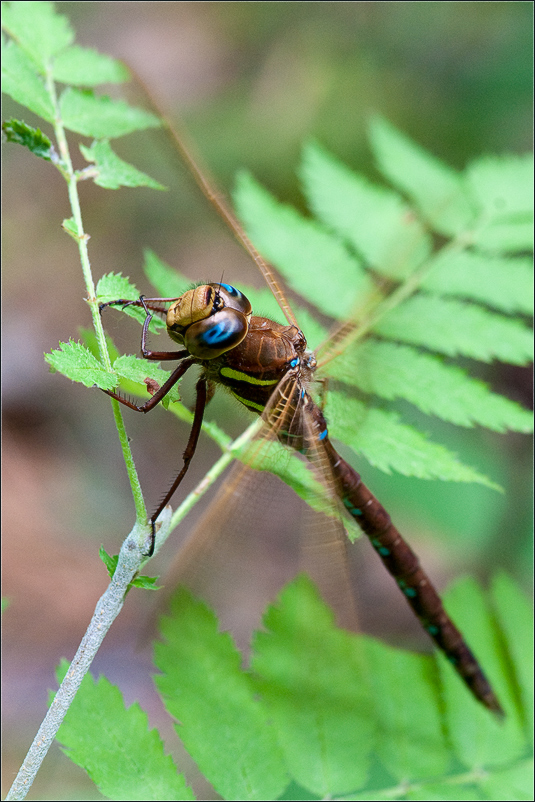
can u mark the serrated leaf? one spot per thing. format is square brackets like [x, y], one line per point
[389, 444]
[76, 362]
[39, 30]
[301, 250]
[406, 720]
[113, 172]
[503, 188]
[454, 327]
[114, 745]
[21, 81]
[83, 66]
[31, 138]
[463, 789]
[313, 680]
[214, 700]
[437, 190]
[515, 620]
[374, 220]
[391, 370]
[115, 286]
[101, 117]
[505, 283]
[474, 731]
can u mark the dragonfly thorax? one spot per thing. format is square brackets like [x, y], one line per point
[209, 320]
[268, 354]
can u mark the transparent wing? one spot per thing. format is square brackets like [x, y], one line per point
[258, 533]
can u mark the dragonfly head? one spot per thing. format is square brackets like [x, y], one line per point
[209, 319]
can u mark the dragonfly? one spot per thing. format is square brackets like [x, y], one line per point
[269, 368]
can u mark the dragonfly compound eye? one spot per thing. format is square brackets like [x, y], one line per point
[231, 298]
[211, 337]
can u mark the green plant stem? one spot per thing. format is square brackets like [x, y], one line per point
[71, 177]
[108, 607]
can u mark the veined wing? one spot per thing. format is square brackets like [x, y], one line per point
[257, 533]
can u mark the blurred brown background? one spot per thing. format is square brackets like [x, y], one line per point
[251, 81]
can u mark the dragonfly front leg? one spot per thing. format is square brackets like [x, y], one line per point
[189, 451]
[148, 303]
[159, 356]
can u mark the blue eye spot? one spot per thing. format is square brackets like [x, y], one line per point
[231, 290]
[294, 362]
[217, 333]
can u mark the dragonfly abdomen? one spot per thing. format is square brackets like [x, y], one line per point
[403, 564]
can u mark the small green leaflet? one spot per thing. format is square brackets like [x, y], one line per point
[436, 188]
[113, 743]
[113, 172]
[100, 117]
[145, 582]
[83, 66]
[76, 362]
[39, 30]
[21, 81]
[31, 138]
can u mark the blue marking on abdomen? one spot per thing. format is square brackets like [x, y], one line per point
[348, 504]
[382, 550]
[410, 592]
[322, 435]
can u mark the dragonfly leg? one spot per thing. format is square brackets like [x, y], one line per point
[146, 352]
[152, 303]
[175, 376]
[189, 451]
[148, 303]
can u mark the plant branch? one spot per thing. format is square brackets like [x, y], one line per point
[131, 558]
